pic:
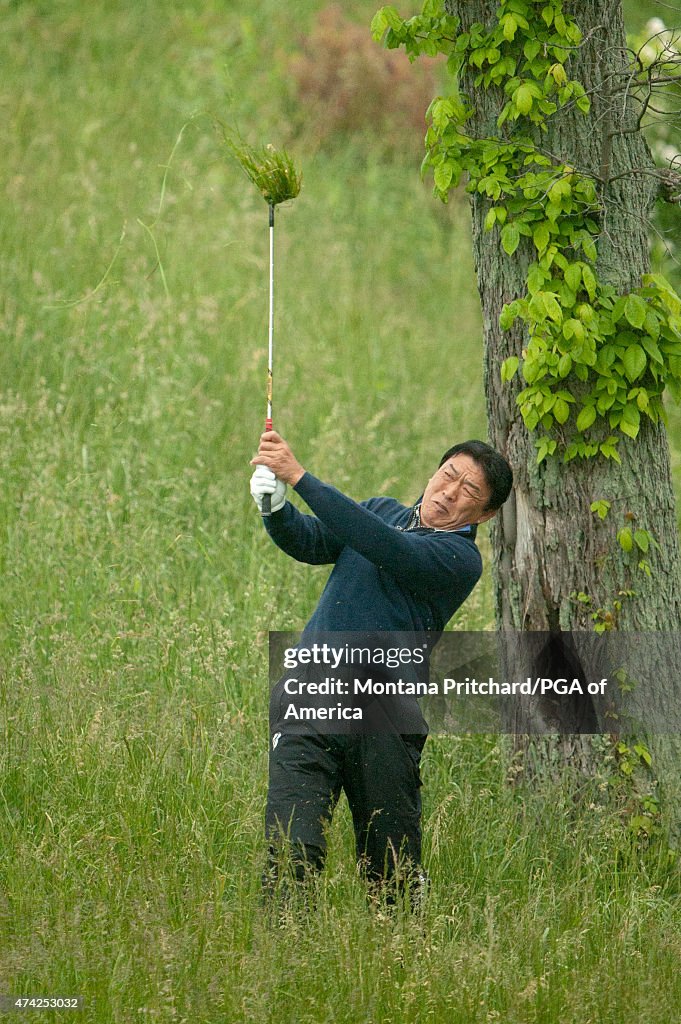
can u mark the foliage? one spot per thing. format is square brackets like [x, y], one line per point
[595, 361]
[272, 171]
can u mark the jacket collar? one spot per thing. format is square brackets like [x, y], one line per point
[414, 523]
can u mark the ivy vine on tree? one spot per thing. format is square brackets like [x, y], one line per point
[595, 361]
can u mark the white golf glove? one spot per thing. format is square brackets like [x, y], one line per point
[263, 482]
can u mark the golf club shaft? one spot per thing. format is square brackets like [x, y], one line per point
[267, 498]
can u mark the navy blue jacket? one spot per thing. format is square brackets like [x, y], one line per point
[384, 578]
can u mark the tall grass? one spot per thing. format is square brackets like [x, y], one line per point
[138, 587]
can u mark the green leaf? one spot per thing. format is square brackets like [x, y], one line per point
[379, 24]
[586, 418]
[635, 361]
[443, 176]
[522, 98]
[541, 236]
[531, 419]
[553, 211]
[606, 357]
[564, 365]
[510, 237]
[631, 420]
[674, 389]
[667, 294]
[608, 451]
[652, 324]
[561, 410]
[652, 349]
[545, 446]
[508, 315]
[531, 48]
[589, 247]
[642, 400]
[536, 279]
[590, 282]
[601, 508]
[573, 276]
[510, 27]
[557, 71]
[574, 329]
[392, 18]
[643, 753]
[618, 309]
[552, 307]
[642, 540]
[573, 33]
[659, 281]
[625, 539]
[560, 190]
[635, 310]
[490, 219]
[531, 370]
[586, 313]
[509, 368]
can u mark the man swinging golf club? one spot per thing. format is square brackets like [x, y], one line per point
[396, 568]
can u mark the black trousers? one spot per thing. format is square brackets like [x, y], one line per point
[380, 776]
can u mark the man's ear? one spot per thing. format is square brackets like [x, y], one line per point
[485, 516]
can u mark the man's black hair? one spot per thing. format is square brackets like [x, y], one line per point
[495, 467]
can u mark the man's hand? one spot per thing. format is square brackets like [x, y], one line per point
[265, 482]
[275, 453]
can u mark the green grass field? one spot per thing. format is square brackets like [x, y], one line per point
[138, 586]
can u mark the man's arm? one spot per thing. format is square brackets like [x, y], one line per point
[422, 562]
[302, 537]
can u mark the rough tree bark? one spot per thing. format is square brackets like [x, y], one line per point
[547, 544]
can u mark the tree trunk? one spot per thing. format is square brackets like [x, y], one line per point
[548, 545]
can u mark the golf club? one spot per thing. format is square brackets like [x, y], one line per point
[277, 179]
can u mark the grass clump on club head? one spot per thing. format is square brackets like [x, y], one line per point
[271, 170]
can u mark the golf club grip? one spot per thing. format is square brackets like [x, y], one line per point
[266, 509]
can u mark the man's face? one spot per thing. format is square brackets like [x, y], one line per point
[456, 495]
